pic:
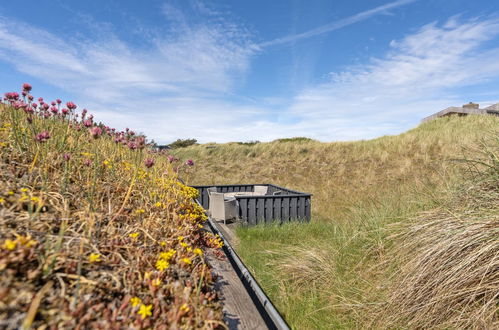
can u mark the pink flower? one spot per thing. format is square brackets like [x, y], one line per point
[149, 162]
[171, 159]
[30, 98]
[43, 136]
[87, 162]
[132, 145]
[58, 101]
[189, 162]
[95, 131]
[34, 105]
[52, 103]
[71, 105]
[88, 123]
[66, 157]
[26, 87]
[64, 111]
[40, 100]
[54, 110]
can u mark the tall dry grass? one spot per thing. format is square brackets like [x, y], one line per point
[449, 276]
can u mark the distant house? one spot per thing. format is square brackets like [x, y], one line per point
[466, 109]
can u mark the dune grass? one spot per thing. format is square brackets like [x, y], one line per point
[96, 231]
[339, 270]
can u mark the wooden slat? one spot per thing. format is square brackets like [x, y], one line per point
[243, 207]
[293, 208]
[252, 211]
[260, 210]
[301, 208]
[285, 209]
[308, 206]
[269, 210]
[277, 208]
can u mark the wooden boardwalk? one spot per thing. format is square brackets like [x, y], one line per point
[240, 311]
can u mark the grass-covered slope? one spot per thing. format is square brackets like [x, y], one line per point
[96, 231]
[350, 266]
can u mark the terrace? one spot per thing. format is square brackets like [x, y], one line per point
[254, 204]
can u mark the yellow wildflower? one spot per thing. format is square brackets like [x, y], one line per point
[140, 211]
[184, 244]
[187, 261]
[156, 282]
[158, 204]
[24, 190]
[135, 301]
[198, 251]
[181, 238]
[162, 243]
[134, 235]
[10, 193]
[35, 199]
[145, 311]
[10, 244]
[26, 240]
[162, 264]
[94, 257]
[147, 275]
[184, 308]
[2, 200]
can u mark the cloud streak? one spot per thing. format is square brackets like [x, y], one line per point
[337, 24]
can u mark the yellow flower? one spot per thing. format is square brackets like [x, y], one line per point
[140, 211]
[10, 244]
[162, 264]
[94, 257]
[156, 282]
[163, 243]
[145, 311]
[2, 200]
[10, 193]
[198, 251]
[158, 204]
[24, 190]
[187, 261]
[135, 301]
[26, 241]
[134, 235]
[35, 199]
[184, 308]
[147, 275]
[181, 238]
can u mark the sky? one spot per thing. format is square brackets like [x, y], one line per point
[221, 71]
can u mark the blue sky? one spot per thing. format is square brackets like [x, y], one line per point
[254, 70]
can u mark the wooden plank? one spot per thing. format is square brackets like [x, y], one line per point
[285, 209]
[243, 207]
[277, 208]
[308, 207]
[260, 210]
[239, 310]
[269, 210]
[252, 211]
[293, 208]
[301, 208]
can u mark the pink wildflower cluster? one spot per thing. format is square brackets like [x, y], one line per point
[56, 110]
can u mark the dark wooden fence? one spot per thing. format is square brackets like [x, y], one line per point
[288, 205]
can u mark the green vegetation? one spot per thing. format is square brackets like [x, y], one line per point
[354, 265]
[182, 143]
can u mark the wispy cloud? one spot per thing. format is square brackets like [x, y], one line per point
[383, 9]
